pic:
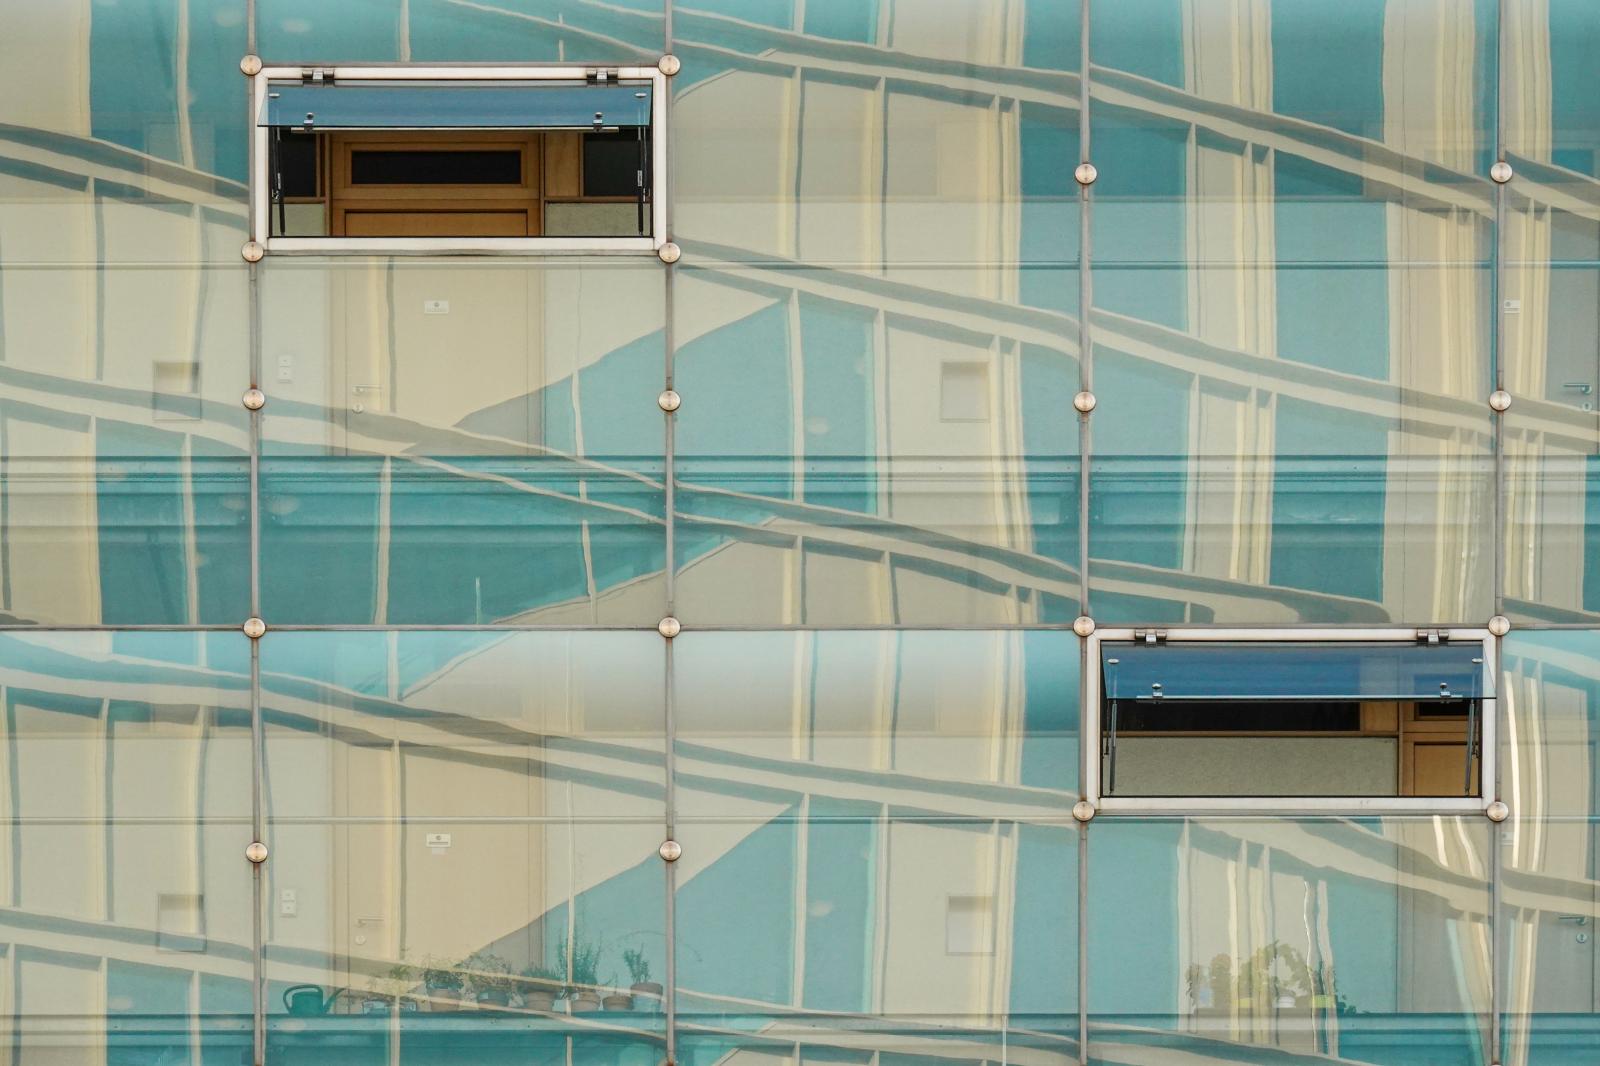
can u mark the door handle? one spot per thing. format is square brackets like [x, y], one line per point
[1575, 919]
[1579, 386]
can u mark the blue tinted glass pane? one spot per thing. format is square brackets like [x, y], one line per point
[1311, 953]
[462, 442]
[1139, 216]
[908, 719]
[1143, 37]
[355, 107]
[1328, 64]
[126, 898]
[930, 908]
[844, 20]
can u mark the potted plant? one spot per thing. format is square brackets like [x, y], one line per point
[582, 966]
[541, 985]
[639, 970]
[391, 988]
[443, 982]
[616, 999]
[489, 978]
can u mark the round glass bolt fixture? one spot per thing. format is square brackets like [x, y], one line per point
[1501, 172]
[1497, 811]
[1499, 625]
[669, 253]
[669, 627]
[1084, 402]
[1083, 625]
[256, 852]
[669, 64]
[254, 399]
[1086, 173]
[1083, 810]
[669, 401]
[671, 850]
[254, 628]
[1500, 400]
[252, 251]
[250, 66]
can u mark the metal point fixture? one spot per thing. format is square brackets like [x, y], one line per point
[669, 627]
[1497, 811]
[1500, 400]
[669, 252]
[1501, 172]
[1499, 625]
[250, 66]
[1086, 173]
[669, 401]
[254, 399]
[669, 64]
[1083, 810]
[1083, 625]
[256, 852]
[254, 628]
[671, 850]
[252, 251]
[1084, 402]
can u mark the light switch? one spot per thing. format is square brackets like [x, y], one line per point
[436, 307]
[285, 368]
[288, 903]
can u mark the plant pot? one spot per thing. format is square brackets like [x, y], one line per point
[494, 997]
[647, 995]
[540, 1000]
[375, 1005]
[617, 1001]
[583, 1002]
[444, 998]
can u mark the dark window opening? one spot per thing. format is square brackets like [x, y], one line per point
[297, 164]
[614, 164]
[1286, 719]
[444, 167]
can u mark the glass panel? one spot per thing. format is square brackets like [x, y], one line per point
[124, 497]
[462, 442]
[958, 724]
[834, 932]
[124, 812]
[463, 829]
[933, 157]
[1292, 241]
[122, 133]
[448, 31]
[1551, 294]
[875, 457]
[478, 107]
[1551, 848]
[1272, 670]
[1361, 940]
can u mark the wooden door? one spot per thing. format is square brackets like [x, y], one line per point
[435, 184]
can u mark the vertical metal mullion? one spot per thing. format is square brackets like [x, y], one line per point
[258, 1002]
[670, 506]
[1085, 452]
[1498, 956]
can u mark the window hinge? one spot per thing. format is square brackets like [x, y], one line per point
[1431, 636]
[316, 75]
[1150, 636]
[600, 75]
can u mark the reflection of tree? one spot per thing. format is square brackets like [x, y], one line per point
[1260, 982]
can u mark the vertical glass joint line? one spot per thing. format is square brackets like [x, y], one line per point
[1085, 451]
[258, 985]
[670, 586]
[1497, 951]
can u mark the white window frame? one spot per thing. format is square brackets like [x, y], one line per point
[260, 200]
[1280, 805]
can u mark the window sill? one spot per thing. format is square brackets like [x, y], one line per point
[523, 246]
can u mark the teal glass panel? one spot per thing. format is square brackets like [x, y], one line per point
[463, 830]
[827, 934]
[445, 31]
[1551, 847]
[122, 133]
[445, 106]
[1251, 940]
[1292, 295]
[124, 900]
[861, 455]
[1552, 327]
[462, 442]
[947, 724]
[881, 138]
[124, 498]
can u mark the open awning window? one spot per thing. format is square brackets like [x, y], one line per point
[542, 105]
[1344, 671]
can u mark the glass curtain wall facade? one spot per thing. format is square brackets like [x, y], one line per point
[1290, 289]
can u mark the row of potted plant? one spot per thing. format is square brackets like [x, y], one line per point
[571, 983]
